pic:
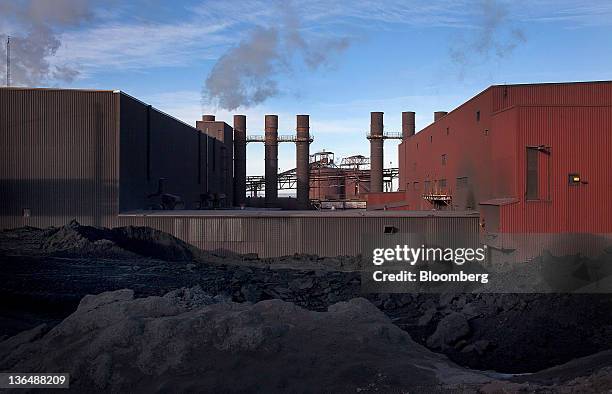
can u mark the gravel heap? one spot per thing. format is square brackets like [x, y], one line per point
[44, 278]
[190, 341]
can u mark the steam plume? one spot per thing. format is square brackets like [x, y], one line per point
[34, 27]
[245, 75]
[495, 37]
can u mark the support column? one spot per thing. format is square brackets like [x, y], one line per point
[302, 157]
[376, 152]
[271, 160]
[239, 160]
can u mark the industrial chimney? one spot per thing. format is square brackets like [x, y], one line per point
[302, 154]
[439, 115]
[239, 160]
[408, 127]
[376, 152]
[271, 159]
[208, 118]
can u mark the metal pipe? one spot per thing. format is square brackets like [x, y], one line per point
[408, 126]
[376, 152]
[271, 159]
[239, 160]
[302, 154]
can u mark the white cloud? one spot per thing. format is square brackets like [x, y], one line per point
[571, 14]
[137, 46]
[113, 42]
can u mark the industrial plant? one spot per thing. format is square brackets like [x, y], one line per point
[513, 159]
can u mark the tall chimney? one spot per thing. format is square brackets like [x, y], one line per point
[239, 160]
[271, 159]
[408, 127]
[208, 118]
[302, 155]
[439, 114]
[376, 152]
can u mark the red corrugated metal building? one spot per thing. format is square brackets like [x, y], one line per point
[531, 158]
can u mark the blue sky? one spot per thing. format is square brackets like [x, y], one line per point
[396, 56]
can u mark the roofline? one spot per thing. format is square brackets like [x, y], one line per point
[105, 91]
[456, 108]
[491, 87]
[550, 83]
[156, 109]
[257, 213]
[57, 89]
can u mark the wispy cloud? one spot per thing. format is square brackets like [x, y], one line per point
[572, 14]
[137, 46]
[128, 37]
[321, 12]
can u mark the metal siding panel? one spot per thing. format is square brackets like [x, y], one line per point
[466, 143]
[282, 236]
[58, 151]
[581, 141]
[574, 118]
[575, 94]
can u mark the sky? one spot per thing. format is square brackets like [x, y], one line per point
[334, 60]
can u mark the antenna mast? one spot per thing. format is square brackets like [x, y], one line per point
[8, 61]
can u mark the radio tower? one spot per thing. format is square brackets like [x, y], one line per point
[8, 61]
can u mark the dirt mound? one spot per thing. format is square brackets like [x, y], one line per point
[513, 333]
[188, 341]
[76, 240]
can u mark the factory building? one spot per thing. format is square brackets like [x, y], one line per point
[529, 158]
[514, 159]
[90, 155]
[107, 159]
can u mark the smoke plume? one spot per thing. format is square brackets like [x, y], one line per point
[34, 27]
[495, 36]
[246, 74]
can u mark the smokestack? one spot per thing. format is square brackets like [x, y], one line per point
[239, 160]
[376, 152]
[208, 118]
[302, 154]
[408, 127]
[439, 115]
[271, 159]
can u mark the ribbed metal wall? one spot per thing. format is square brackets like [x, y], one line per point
[575, 94]
[580, 141]
[271, 236]
[484, 141]
[58, 156]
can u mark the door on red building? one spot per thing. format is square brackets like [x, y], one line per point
[575, 188]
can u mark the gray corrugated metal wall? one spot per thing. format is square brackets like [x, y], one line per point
[161, 147]
[281, 236]
[57, 156]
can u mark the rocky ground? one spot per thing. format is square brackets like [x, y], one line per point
[46, 274]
